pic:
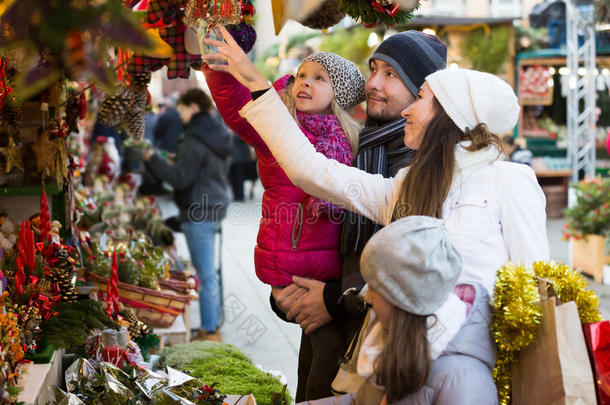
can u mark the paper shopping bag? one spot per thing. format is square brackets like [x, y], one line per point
[555, 368]
[597, 336]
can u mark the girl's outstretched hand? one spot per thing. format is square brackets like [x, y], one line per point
[238, 63]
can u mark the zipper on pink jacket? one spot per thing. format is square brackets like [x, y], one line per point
[298, 222]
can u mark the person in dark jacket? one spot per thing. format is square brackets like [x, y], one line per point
[201, 191]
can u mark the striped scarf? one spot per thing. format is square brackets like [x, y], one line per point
[380, 151]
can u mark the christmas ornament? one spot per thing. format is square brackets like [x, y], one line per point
[212, 12]
[72, 39]
[45, 151]
[244, 34]
[326, 15]
[180, 62]
[160, 48]
[373, 12]
[12, 153]
[112, 289]
[61, 273]
[164, 13]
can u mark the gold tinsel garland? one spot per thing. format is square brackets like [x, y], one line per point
[517, 313]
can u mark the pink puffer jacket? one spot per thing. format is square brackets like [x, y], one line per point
[298, 234]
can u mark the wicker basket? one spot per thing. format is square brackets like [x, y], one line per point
[156, 308]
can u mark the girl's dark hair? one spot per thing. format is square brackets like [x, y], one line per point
[403, 365]
[197, 97]
[427, 183]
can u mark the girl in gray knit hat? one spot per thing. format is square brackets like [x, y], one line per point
[299, 234]
[429, 340]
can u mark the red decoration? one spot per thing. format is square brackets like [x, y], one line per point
[19, 276]
[26, 257]
[82, 105]
[597, 336]
[392, 11]
[5, 90]
[112, 289]
[45, 217]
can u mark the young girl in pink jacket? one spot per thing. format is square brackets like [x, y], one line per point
[299, 234]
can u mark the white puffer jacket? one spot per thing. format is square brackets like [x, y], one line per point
[495, 211]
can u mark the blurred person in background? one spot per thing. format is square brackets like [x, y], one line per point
[199, 178]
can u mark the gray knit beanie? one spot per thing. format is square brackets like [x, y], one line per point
[412, 263]
[414, 55]
[345, 77]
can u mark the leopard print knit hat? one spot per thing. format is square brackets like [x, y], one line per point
[345, 78]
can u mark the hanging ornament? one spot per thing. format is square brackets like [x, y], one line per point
[284, 10]
[160, 49]
[82, 106]
[244, 34]
[45, 151]
[12, 152]
[212, 12]
[325, 16]
[373, 12]
[178, 65]
[164, 13]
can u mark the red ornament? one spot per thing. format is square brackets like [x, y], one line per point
[19, 276]
[112, 289]
[82, 106]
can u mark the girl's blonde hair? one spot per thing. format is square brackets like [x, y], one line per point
[350, 126]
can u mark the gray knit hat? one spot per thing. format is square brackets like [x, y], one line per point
[345, 77]
[412, 263]
[414, 55]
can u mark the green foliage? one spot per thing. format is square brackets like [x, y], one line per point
[591, 213]
[530, 39]
[351, 44]
[73, 322]
[146, 342]
[487, 53]
[361, 10]
[225, 366]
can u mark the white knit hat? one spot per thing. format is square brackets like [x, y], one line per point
[470, 97]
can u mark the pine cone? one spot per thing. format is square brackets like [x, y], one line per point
[141, 79]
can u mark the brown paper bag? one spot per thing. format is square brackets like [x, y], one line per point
[555, 368]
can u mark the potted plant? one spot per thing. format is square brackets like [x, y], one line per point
[589, 226]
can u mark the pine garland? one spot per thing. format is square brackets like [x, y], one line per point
[361, 10]
[517, 313]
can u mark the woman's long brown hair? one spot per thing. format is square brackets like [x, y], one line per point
[403, 365]
[429, 178]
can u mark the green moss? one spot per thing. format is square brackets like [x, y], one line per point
[224, 366]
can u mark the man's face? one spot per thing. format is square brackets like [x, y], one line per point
[386, 94]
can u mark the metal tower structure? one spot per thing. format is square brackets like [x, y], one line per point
[581, 86]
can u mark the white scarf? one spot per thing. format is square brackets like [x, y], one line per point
[442, 329]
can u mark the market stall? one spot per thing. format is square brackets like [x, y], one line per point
[542, 81]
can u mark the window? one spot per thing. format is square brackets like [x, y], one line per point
[505, 8]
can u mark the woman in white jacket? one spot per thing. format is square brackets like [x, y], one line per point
[494, 210]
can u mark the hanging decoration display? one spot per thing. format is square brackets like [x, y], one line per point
[517, 313]
[73, 40]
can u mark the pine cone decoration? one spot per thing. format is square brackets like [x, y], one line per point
[114, 107]
[136, 327]
[140, 79]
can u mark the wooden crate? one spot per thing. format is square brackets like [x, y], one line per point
[589, 255]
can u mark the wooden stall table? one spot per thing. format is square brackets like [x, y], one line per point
[554, 183]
